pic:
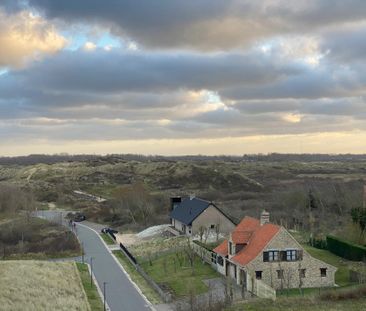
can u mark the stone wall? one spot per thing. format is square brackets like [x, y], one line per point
[291, 275]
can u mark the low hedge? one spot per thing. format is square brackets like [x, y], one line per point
[346, 249]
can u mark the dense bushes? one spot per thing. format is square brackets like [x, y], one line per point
[318, 243]
[346, 249]
[345, 294]
[36, 237]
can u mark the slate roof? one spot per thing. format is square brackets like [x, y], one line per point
[189, 209]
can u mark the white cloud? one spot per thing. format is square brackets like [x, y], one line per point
[25, 36]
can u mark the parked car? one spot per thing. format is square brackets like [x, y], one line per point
[109, 230]
[78, 217]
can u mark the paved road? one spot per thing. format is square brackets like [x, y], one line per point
[121, 294]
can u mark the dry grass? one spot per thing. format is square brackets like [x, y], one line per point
[40, 285]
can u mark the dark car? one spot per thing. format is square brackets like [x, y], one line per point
[109, 230]
[78, 217]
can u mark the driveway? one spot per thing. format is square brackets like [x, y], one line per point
[121, 293]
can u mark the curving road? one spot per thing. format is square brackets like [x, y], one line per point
[121, 294]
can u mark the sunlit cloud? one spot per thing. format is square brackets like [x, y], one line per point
[25, 36]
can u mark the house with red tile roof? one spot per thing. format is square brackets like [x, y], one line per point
[258, 251]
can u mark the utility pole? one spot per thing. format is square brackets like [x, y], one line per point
[104, 291]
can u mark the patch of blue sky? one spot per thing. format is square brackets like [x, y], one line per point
[77, 41]
[3, 71]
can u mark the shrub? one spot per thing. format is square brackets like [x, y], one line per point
[344, 294]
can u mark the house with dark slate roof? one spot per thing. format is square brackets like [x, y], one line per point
[190, 215]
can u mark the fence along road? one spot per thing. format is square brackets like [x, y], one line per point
[121, 294]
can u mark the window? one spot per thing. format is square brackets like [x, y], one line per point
[220, 260]
[213, 257]
[302, 273]
[258, 275]
[280, 274]
[291, 255]
[323, 272]
[273, 255]
[230, 248]
[212, 226]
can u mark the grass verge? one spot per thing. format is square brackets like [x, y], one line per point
[91, 291]
[150, 293]
[107, 238]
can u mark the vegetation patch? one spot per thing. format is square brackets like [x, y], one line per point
[90, 288]
[300, 304]
[40, 285]
[107, 238]
[34, 238]
[181, 273]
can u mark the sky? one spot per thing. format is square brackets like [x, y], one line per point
[176, 77]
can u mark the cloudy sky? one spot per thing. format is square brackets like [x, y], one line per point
[182, 77]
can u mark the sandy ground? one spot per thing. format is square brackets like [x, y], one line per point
[127, 239]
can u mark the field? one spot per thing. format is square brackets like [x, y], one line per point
[38, 285]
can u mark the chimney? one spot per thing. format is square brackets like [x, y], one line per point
[264, 217]
[174, 202]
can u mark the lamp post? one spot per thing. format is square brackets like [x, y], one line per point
[104, 291]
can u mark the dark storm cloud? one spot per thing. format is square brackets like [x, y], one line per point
[105, 72]
[133, 80]
[204, 24]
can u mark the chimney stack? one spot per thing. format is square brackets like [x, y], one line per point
[174, 202]
[264, 218]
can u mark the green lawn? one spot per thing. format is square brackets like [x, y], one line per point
[300, 304]
[149, 292]
[342, 274]
[107, 238]
[91, 291]
[166, 271]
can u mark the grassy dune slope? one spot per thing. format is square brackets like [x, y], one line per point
[39, 285]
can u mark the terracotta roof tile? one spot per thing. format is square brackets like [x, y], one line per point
[222, 249]
[260, 238]
[249, 231]
[241, 237]
[247, 224]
